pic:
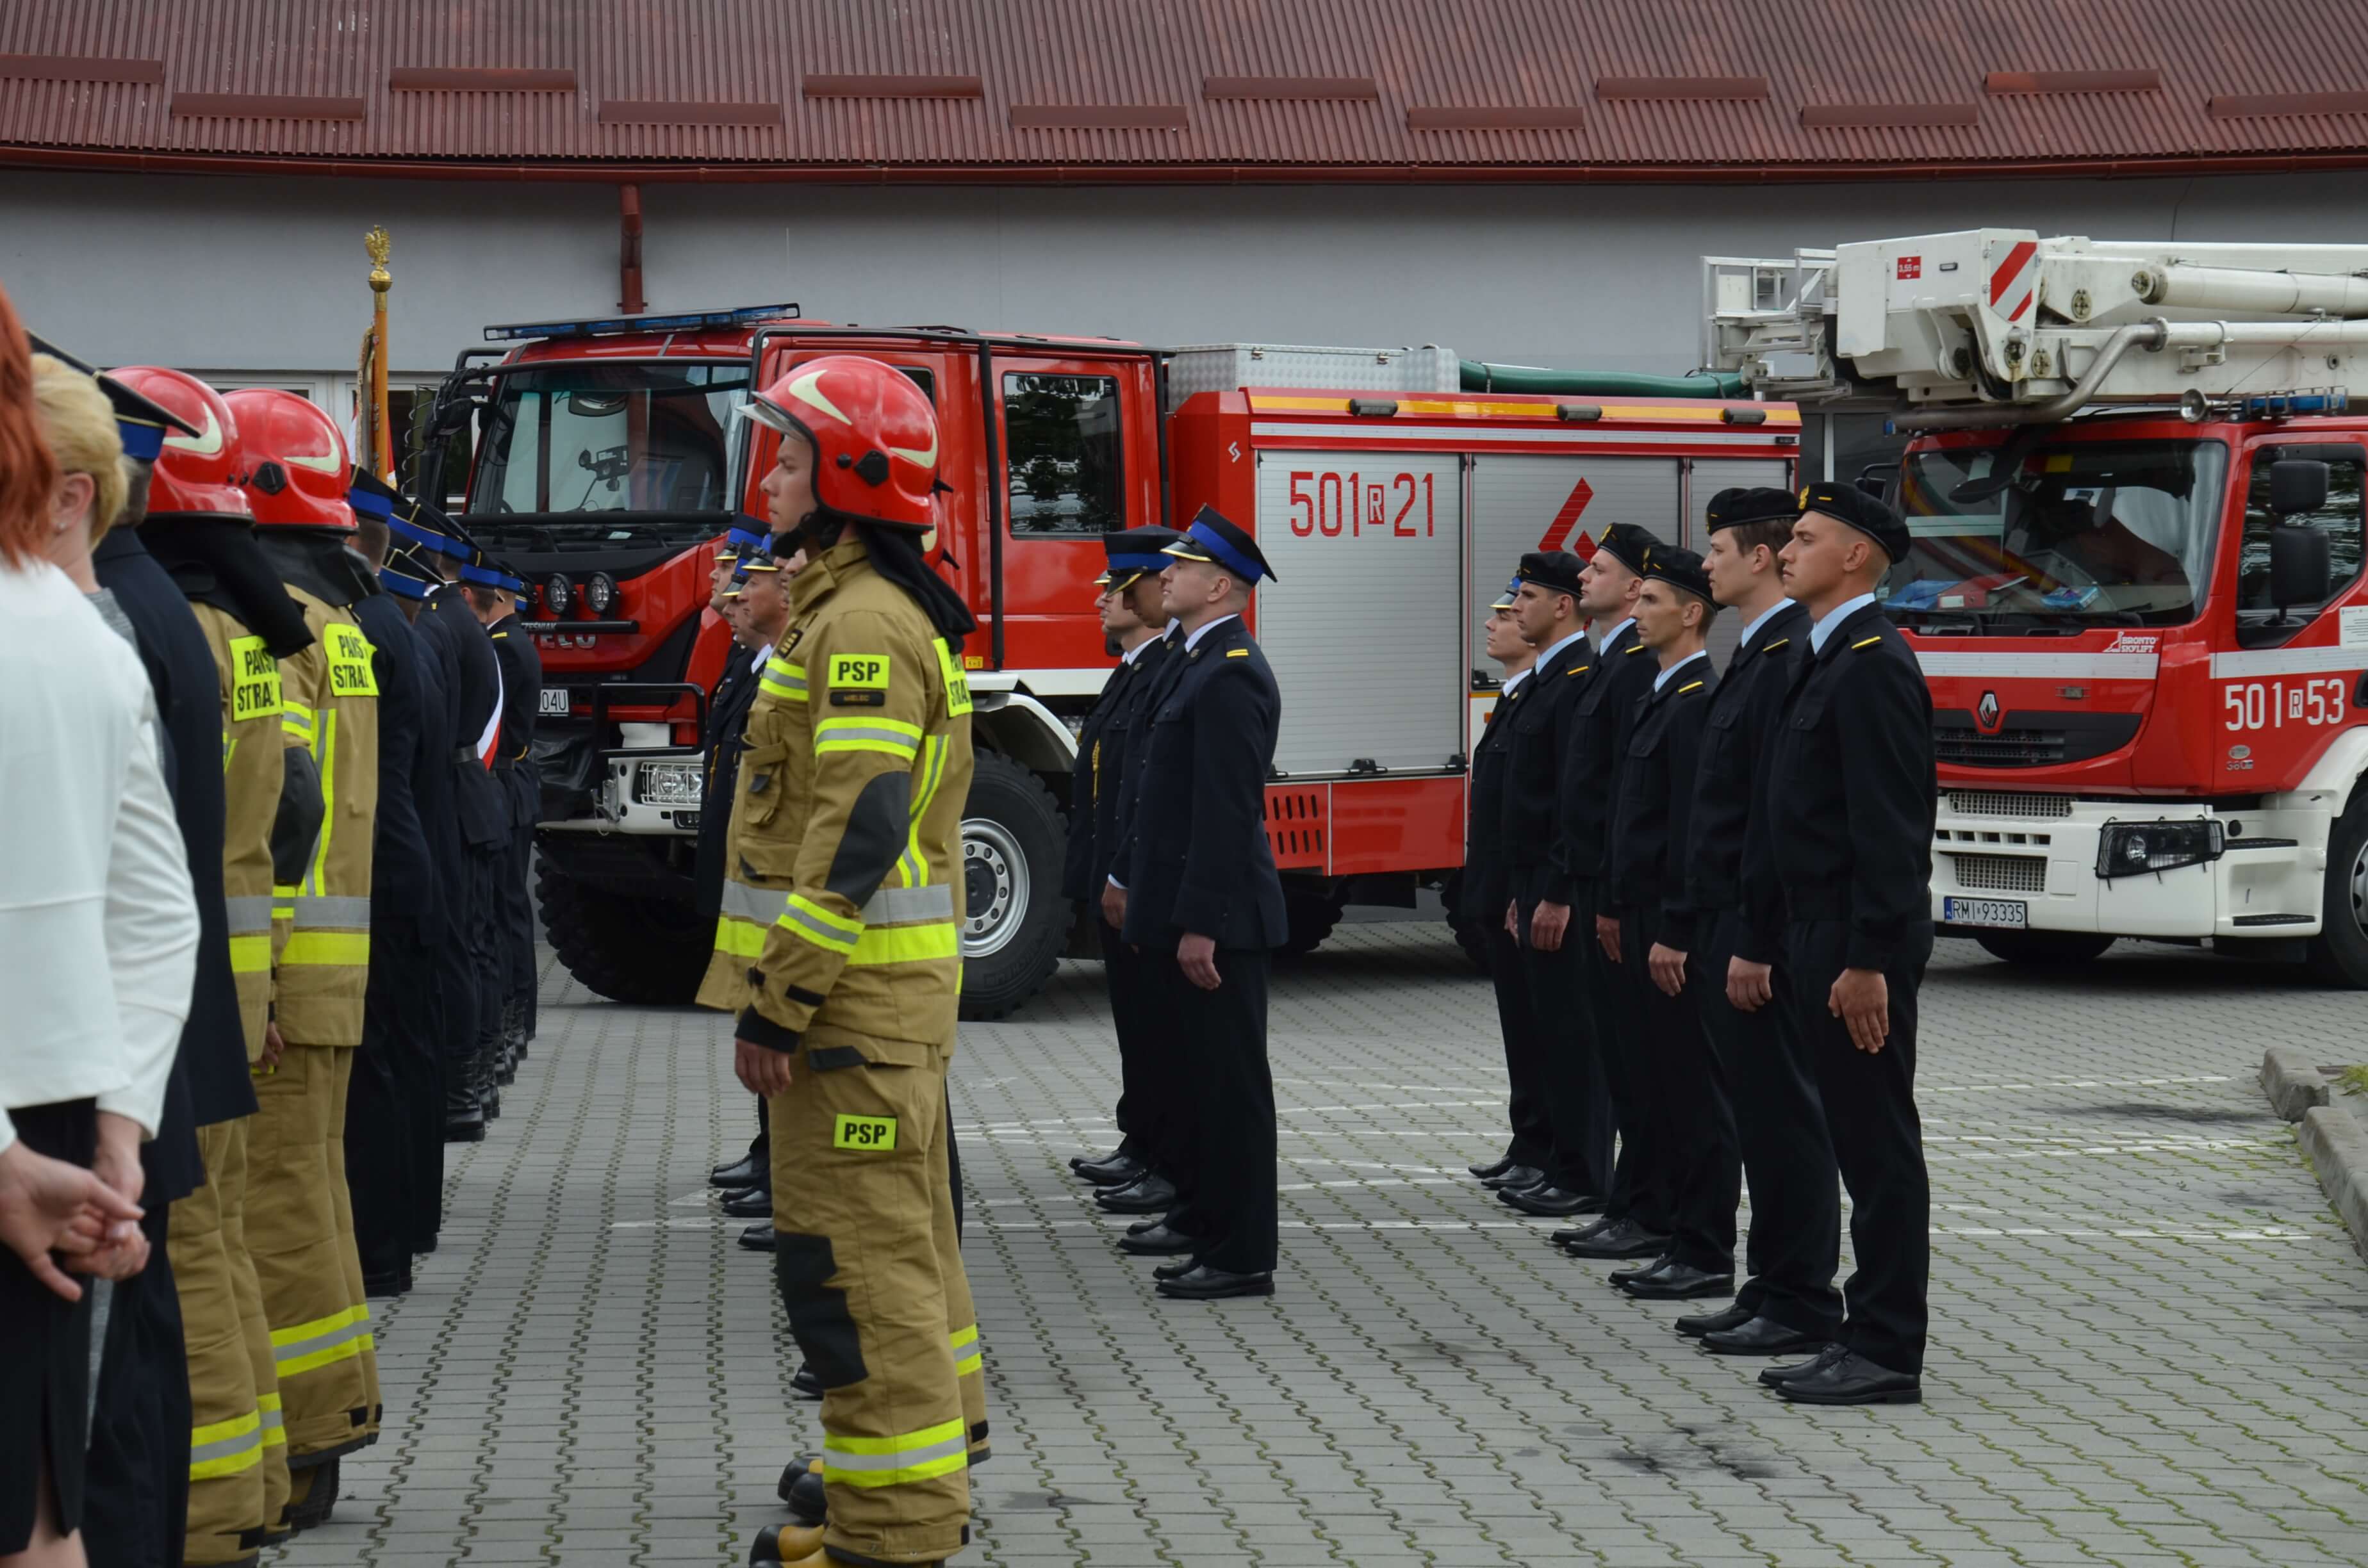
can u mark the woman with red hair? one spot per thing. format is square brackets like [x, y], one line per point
[97, 939]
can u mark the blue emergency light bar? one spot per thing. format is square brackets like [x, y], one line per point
[626, 326]
[2283, 405]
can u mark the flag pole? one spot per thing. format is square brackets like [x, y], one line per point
[377, 424]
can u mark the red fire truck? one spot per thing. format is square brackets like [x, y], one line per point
[1393, 490]
[2134, 484]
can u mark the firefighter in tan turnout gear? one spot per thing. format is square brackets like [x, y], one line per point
[299, 1217]
[846, 827]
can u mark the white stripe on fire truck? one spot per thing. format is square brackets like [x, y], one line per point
[1349, 435]
[2041, 667]
[2288, 662]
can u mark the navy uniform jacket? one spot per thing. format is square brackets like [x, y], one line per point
[1124, 738]
[522, 669]
[1097, 772]
[478, 802]
[431, 776]
[1591, 772]
[727, 720]
[1728, 864]
[1486, 886]
[402, 876]
[1197, 859]
[1534, 829]
[208, 1081]
[1644, 858]
[1852, 771]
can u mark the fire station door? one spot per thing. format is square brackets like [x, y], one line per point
[1363, 620]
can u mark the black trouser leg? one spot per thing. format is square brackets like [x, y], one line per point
[1636, 1192]
[1140, 1110]
[953, 1161]
[427, 1102]
[1684, 1125]
[136, 1481]
[761, 1145]
[517, 928]
[491, 966]
[1231, 1195]
[1570, 1068]
[1780, 1127]
[377, 1130]
[456, 972]
[1529, 1106]
[1869, 1099]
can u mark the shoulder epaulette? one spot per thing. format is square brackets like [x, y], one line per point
[1577, 670]
[1868, 644]
[1693, 686]
[499, 635]
[1237, 653]
[1772, 647]
[1637, 649]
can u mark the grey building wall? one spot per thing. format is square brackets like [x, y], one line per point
[266, 274]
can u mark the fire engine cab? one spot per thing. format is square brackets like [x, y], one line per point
[1394, 491]
[2134, 484]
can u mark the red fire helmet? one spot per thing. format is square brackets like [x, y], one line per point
[874, 435]
[299, 471]
[198, 473]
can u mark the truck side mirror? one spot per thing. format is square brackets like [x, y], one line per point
[2297, 484]
[2302, 571]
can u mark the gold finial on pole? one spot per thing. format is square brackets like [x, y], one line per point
[378, 432]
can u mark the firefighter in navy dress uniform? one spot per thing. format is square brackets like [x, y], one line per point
[1852, 774]
[1788, 1302]
[1648, 898]
[1129, 601]
[521, 784]
[1205, 906]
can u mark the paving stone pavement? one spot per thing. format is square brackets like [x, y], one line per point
[2150, 1338]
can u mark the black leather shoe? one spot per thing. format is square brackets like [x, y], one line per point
[1695, 1325]
[1851, 1379]
[742, 1173]
[1495, 1167]
[1514, 1175]
[1140, 1226]
[1203, 1283]
[1759, 1337]
[1680, 1282]
[1182, 1266]
[1622, 1238]
[808, 1502]
[1151, 1194]
[1121, 1169]
[804, 1383]
[464, 1119]
[1825, 1358]
[1549, 1200]
[759, 1237]
[1160, 1240]
[1580, 1232]
[395, 1284]
[1620, 1277]
[754, 1204]
[1079, 1162]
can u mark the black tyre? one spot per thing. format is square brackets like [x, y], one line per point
[648, 951]
[1311, 914]
[2043, 949]
[2338, 954]
[1015, 922]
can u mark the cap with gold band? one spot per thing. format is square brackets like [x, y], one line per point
[1218, 539]
[1505, 600]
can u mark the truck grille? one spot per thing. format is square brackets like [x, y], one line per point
[2036, 739]
[2002, 873]
[2007, 803]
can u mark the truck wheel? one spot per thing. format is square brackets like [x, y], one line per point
[1309, 915]
[1015, 921]
[645, 951]
[2043, 949]
[2338, 954]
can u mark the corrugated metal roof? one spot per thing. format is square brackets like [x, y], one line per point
[1964, 68]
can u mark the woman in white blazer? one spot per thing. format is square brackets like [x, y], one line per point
[98, 945]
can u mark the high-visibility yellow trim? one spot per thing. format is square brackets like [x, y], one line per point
[957, 684]
[913, 866]
[739, 938]
[275, 1426]
[340, 1337]
[836, 933]
[237, 1425]
[964, 1340]
[226, 1447]
[965, 1365]
[786, 693]
[870, 1462]
[907, 943]
[296, 720]
[784, 680]
[326, 948]
[324, 755]
[252, 955]
[283, 901]
[927, 1437]
[893, 737]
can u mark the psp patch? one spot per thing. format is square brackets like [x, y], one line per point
[858, 672]
[865, 1134]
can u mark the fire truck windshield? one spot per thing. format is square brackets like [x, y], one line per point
[2090, 533]
[579, 442]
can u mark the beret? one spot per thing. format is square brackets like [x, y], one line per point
[1846, 503]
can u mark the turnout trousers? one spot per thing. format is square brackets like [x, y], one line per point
[396, 1103]
[300, 1232]
[1569, 1051]
[1226, 1139]
[238, 1451]
[136, 1487]
[1794, 1245]
[1684, 1145]
[870, 1267]
[1872, 1099]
